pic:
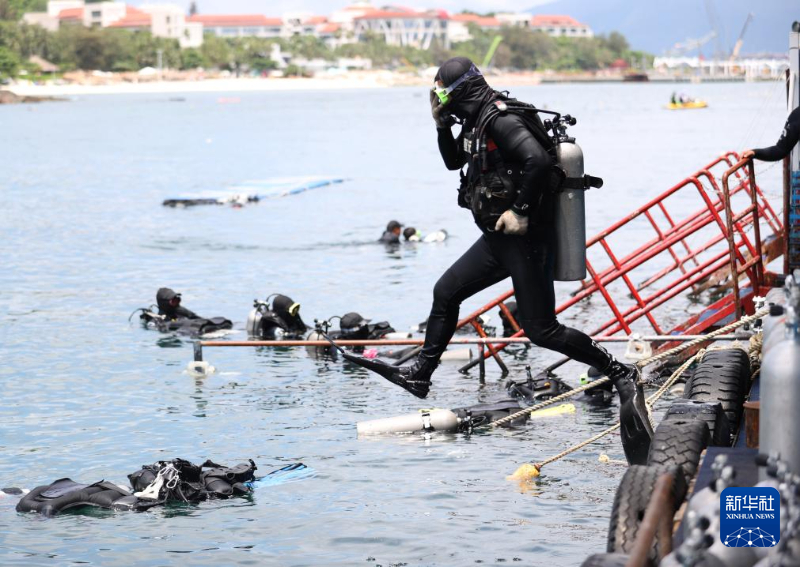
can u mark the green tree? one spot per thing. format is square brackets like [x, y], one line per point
[14, 9]
[192, 59]
[9, 62]
[216, 52]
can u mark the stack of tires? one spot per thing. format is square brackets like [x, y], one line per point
[708, 415]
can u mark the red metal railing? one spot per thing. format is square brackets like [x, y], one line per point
[694, 249]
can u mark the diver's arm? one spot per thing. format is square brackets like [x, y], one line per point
[453, 158]
[790, 136]
[183, 312]
[517, 145]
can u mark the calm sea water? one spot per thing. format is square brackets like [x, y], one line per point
[85, 241]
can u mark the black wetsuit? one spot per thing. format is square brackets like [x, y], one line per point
[495, 256]
[389, 237]
[788, 139]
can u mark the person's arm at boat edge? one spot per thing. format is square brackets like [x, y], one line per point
[788, 139]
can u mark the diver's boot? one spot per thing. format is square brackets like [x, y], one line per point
[415, 377]
[636, 431]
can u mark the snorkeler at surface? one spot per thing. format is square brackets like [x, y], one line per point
[392, 233]
[173, 317]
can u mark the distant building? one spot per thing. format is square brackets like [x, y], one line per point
[458, 26]
[161, 20]
[405, 27]
[242, 25]
[396, 25]
[560, 26]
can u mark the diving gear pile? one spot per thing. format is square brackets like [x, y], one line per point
[161, 483]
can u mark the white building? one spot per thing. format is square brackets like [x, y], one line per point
[406, 28]
[243, 25]
[459, 24]
[103, 14]
[161, 20]
[560, 26]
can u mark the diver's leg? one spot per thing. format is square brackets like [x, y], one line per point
[476, 270]
[530, 262]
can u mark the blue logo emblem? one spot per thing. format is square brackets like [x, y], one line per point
[750, 517]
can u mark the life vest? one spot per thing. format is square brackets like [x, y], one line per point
[537, 389]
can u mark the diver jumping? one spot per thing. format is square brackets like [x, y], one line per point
[516, 241]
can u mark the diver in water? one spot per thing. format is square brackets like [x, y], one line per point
[280, 321]
[392, 233]
[169, 305]
[515, 242]
[173, 317]
[411, 234]
[788, 140]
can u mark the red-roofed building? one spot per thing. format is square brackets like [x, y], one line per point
[458, 26]
[407, 28]
[71, 15]
[161, 20]
[560, 26]
[239, 25]
[134, 19]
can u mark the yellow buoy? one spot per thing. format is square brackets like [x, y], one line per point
[525, 472]
[562, 409]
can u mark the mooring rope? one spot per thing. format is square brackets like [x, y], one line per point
[640, 364]
[531, 470]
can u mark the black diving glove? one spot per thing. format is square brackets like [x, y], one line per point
[442, 118]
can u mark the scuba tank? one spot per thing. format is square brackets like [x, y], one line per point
[569, 183]
[780, 389]
[428, 420]
[494, 190]
[263, 324]
[570, 217]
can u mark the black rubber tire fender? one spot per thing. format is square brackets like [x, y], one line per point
[723, 376]
[606, 560]
[679, 442]
[630, 502]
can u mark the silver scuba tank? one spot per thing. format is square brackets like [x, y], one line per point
[254, 318]
[780, 387]
[432, 420]
[570, 217]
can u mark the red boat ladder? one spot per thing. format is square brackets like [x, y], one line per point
[721, 237]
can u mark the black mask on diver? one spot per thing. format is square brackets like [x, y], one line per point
[469, 97]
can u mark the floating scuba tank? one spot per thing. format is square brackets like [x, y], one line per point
[433, 420]
[254, 318]
[570, 216]
[264, 324]
[780, 388]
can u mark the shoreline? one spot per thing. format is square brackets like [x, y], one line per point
[362, 80]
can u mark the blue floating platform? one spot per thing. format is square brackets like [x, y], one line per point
[253, 191]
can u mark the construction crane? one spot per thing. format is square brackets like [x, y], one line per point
[738, 46]
[692, 44]
[490, 54]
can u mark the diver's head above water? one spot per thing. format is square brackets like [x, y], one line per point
[354, 326]
[168, 300]
[461, 88]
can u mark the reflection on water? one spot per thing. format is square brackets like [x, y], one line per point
[89, 396]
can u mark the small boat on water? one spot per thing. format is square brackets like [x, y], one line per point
[687, 105]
